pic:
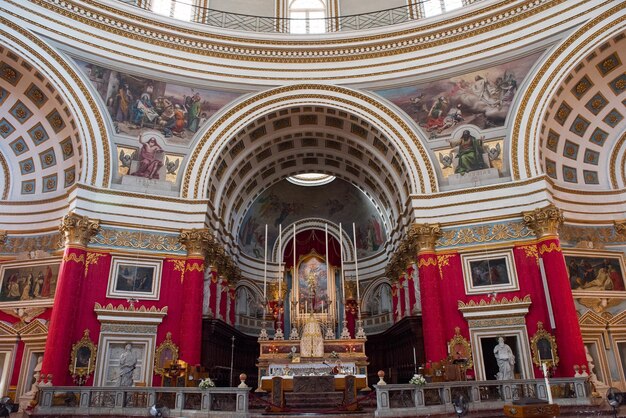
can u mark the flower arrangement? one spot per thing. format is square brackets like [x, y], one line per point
[418, 380]
[206, 383]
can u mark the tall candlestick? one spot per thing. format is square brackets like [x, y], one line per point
[88, 364]
[75, 358]
[544, 366]
[265, 268]
[343, 284]
[414, 360]
[280, 261]
[356, 271]
[294, 279]
[327, 262]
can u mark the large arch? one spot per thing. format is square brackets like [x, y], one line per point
[300, 128]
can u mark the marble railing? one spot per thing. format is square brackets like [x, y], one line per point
[435, 398]
[137, 401]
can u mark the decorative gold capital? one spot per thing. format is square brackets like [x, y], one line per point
[196, 241]
[545, 222]
[620, 228]
[425, 236]
[78, 230]
[3, 238]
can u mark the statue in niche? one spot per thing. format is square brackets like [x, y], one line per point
[506, 360]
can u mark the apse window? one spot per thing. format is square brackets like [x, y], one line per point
[311, 179]
[307, 16]
[177, 9]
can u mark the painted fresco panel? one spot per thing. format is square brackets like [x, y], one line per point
[286, 203]
[595, 271]
[136, 103]
[481, 98]
[29, 281]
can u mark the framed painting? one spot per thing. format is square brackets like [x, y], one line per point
[492, 272]
[30, 283]
[595, 271]
[134, 278]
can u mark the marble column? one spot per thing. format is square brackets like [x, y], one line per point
[197, 242]
[545, 222]
[424, 237]
[77, 231]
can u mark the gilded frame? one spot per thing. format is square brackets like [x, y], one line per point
[83, 356]
[460, 348]
[487, 273]
[544, 348]
[161, 357]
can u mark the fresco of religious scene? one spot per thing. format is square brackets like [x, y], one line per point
[28, 282]
[136, 103]
[595, 272]
[480, 98]
[149, 160]
[285, 203]
[313, 286]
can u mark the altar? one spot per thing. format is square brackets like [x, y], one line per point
[313, 383]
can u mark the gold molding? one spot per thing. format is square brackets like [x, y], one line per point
[545, 222]
[78, 230]
[84, 343]
[166, 345]
[7, 177]
[542, 334]
[424, 236]
[197, 242]
[494, 304]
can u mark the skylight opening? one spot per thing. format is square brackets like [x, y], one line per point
[311, 179]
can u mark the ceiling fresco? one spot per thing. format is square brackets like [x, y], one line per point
[480, 98]
[136, 103]
[285, 203]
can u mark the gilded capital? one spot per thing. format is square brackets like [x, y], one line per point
[78, 230]
[620, 228]
[545, 222]
[196, 241]
[424, 236]
[3, 238]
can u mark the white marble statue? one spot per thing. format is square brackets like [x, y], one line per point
[506, 360]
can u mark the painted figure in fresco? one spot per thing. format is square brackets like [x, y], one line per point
[453, 117]
[616, 278]
[194, 113]
[123, 102]
[602, 281]
[436, 114]
[469, 153]
[128, 363]
[506, 360]
[150, 159]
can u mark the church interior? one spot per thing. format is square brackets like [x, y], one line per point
[208, 193]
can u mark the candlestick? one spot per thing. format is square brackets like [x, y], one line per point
[343, 284]
[88, 364]
[545, 376]
[414, 360]
[280, 261]
[356, 271]
[75, 358]
[265, 267]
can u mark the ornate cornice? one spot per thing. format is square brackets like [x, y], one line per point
[197, 242]
[620, 228]
[494, 307]
[130, 314]
[78, 230]
[424, 236]
[545, 222]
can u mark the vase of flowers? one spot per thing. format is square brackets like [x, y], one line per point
[417, 380]
[206, 383]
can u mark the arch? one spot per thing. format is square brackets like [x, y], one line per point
[533, 105]
[92, 131]
[368, 293]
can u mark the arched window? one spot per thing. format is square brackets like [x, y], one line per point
[436, 7]
[177, 9]
[307, 16]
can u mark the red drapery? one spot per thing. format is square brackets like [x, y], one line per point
[191, 315]
[435, 346]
